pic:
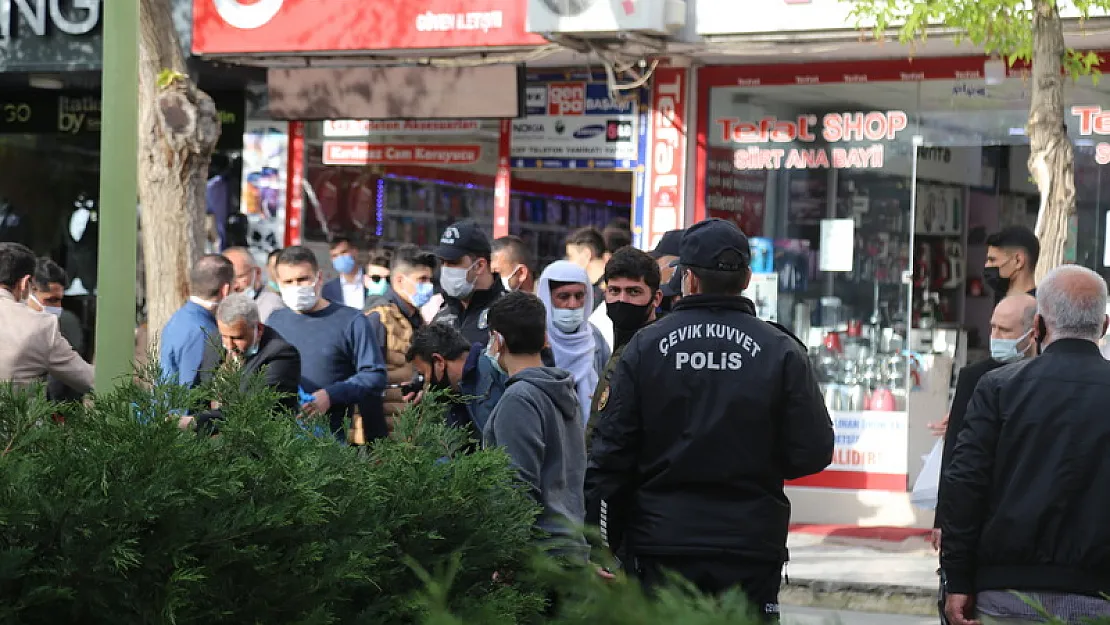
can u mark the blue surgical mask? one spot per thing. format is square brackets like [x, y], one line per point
[423, 294]
[568, 320]
[492, 355]
[1006, 350]
[376, 288]
[344, 264]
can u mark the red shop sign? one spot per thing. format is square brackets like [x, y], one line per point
[666, 179]
[362, 153]
[291, 26]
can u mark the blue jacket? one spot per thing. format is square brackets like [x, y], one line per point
[189, 338]
[481, 381]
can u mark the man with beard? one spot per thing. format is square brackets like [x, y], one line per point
[631, 297]
[448, 362]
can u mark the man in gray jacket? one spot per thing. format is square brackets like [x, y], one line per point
[539, 423]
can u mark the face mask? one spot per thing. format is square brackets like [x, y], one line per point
[252, 351]
[492, 355]
[299, 298]
[568, 320]
[376, 288]
[993, 277]
[1006, 350]
[250, 292]
[626, 316]
[274, 286]
[505, 280]
[454, 283]
[423, 294]
[50, 310]
[344, 264]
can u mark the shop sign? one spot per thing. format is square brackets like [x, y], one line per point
[1094, 121]
[369, 128]
[576, 124]
[78, 112]
[871, 452]
[362, 153]
[39, 18]
[667, 169]
[872, 127]
[284, 26]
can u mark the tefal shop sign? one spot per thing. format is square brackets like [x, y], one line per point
[293, 26]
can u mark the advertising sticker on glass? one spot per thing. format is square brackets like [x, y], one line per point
[576, 125]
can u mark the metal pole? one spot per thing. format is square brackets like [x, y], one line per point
[119, 162]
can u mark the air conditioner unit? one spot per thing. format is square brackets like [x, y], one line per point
[597, 17]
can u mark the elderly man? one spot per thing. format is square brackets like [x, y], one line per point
[1024, 506]
[257, 349]
[248, 280]
[1011, 341]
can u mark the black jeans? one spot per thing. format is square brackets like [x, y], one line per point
[714, 575]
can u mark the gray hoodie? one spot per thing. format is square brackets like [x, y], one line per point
[539, 424]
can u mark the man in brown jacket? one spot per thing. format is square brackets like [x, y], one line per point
[31, 345]
[397, 317]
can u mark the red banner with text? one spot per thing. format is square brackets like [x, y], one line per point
[667, 157]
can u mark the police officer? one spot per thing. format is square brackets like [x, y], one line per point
[709, 411]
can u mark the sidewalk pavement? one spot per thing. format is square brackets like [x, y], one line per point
[866, 569]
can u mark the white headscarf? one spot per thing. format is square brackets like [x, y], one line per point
[573, 352]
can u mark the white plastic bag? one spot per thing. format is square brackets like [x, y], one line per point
[925, 488]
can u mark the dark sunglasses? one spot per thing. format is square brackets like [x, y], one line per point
[378, 278]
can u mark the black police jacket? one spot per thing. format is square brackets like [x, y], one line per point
[470, 320]
[709, 410]
[1025, 505]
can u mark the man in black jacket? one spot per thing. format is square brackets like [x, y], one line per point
[709, 411]
[1024, 506]
[256, 348]
[470, 286]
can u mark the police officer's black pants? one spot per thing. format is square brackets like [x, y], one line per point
[715, 575]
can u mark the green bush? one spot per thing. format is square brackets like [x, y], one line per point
[119, 517]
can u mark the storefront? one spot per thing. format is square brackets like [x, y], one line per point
[869, 188]
[571, 160]
[535, 154]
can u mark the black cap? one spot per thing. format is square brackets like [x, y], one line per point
[717, 245]
[673, 286]
[462, 238]
[669, 244]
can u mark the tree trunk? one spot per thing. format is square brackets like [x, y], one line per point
[1051, 160]
[178, 131]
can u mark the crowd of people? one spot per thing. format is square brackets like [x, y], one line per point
[638, 392]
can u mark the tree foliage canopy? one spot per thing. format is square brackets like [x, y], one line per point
[1002, 27]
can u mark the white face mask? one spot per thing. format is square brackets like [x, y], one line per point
[299, 298]
[505, 280]
[568, 320]
[50, 310]
[1006, 350]
[250, 292]
[454, 283]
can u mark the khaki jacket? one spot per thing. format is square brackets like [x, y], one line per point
[32, 347]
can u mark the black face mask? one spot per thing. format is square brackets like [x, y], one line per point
[993, 277]
[626, 318]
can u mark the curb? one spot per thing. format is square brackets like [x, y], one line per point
[859, 597]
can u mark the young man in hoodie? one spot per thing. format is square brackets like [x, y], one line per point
[539, 423]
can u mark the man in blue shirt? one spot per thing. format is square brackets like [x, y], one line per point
[190, 338]
[341, 362]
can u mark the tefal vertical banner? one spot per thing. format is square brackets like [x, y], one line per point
[667, 164]
[502, 184]
[294, 201]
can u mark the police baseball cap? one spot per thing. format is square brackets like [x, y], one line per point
[715, 244]
[668, 245]
[673, 286]
[462, 238]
